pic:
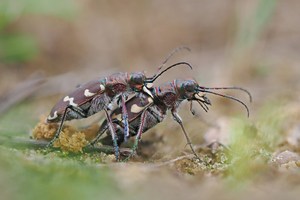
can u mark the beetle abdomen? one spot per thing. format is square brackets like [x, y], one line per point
[78, 97]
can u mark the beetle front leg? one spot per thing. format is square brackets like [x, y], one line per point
[178, 119]
[77, 110]
[125, 118]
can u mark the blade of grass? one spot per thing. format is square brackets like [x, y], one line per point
[252, 28]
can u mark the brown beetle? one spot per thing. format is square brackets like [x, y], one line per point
[97, 95]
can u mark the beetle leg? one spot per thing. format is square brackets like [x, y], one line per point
[74, 109]
[178, 119]
[104, 128]
[125, 119]
[106, 140]
[140, 131]
[138, 135]
[113, 134]
[99, 134]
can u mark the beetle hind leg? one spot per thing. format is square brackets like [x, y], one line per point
[113, 135]
[76, 110]
[102, 130]
[138, 135]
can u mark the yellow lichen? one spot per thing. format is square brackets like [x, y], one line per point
[71, 141]
[44, 131]
[70, 138]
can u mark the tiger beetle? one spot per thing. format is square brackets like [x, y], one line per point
[100, 94]
[147, 111]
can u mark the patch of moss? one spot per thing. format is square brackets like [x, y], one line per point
[32, 175]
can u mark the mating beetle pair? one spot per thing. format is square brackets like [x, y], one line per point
[139, 113]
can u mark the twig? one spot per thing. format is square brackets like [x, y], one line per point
[22, 143]
[20, 92]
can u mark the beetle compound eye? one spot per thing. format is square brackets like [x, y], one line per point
[189, 87]
[138, 79]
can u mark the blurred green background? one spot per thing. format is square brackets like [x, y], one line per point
[49, 47]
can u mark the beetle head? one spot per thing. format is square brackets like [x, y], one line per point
[191, 91]
[136, 81]
[186, 88]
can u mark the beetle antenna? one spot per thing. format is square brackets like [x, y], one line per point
[152, 79]
[230, 88]
[228, 97]
[171, 54]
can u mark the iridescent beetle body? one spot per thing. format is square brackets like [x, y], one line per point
[98, 95]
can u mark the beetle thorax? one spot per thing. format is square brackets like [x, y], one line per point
[166, 94]
[116, 84]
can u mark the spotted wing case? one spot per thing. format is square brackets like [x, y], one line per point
[81, 95]
[135, 106]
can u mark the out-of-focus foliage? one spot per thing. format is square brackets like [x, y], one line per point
[251, 28]
[253, 144]
[22, 120]
[15, 46]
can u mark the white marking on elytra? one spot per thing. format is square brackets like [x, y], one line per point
[150, 100]
[52, 117]
[87, 93]
[136, 109]
[71, 101]
[145, 89]
[102, 87]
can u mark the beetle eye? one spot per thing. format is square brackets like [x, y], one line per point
[189, 87]
[138, 79]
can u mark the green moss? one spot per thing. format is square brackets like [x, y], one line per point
[31, 175]
[253, 143]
